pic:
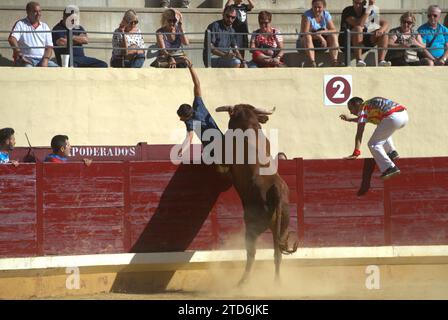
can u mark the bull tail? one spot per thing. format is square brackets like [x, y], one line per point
[274, 201]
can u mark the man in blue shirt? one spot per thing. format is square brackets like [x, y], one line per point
[7, 143]
[196, 117]
[432, 35]
[79, 38]
[61, 150]
[223, 36]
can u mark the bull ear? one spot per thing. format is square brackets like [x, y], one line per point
[264, 111]
[262, 118]
[224, 109]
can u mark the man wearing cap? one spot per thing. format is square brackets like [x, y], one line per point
[79, 39]
[30, 39]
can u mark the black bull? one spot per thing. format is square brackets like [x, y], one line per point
[265, 197]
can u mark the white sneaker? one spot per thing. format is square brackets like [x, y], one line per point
[385, 63]
[361, 63]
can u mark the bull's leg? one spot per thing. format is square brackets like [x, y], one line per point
[251, 238]
[277, 257]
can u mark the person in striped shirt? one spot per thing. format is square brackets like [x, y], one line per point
[389, 116]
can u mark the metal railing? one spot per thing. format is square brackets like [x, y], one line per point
[347, 47]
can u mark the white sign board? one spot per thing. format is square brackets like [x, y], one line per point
[337, 90]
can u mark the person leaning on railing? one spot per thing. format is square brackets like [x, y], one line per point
[223, 37]
[405, 37]
[171, 37]
[435, 37]
[319, 21]
[7, 143]
[128, 43]
[264, 41]
[25, 37]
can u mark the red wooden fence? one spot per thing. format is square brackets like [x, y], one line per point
[155, 206]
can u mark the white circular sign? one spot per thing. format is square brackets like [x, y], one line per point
[337, 89]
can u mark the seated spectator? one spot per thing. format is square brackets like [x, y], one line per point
[167, 3]
[223, 37]
[432, 34]
[7, 143]
[132, 55]
[319, 21]
[357, 18]
[405, 37]
[171, 37]
[240, 23]
[79, 39]
[24, 43]
[61, 150]
[264, 41]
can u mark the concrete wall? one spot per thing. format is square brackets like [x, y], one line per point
[123, 107]
[418, 272]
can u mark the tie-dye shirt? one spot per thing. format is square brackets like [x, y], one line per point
[375, 109]
[4, 157]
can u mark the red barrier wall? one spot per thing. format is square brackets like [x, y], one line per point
[115, 207]
[141, 151]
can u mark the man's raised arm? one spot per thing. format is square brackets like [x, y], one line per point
[194, 77]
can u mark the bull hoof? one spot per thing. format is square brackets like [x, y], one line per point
[242, 282]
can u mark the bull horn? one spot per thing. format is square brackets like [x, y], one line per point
[264, 111]
[224, 109]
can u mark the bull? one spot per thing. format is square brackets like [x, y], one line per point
[265, 198]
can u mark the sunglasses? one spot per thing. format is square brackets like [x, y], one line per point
[433, 15]
[230, 17]
[172, 20]
[134, 22]
[407, 22]
[264, 22]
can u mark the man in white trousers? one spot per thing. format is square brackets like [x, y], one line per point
[389, 116]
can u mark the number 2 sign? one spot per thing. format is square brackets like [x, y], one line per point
[337, 90]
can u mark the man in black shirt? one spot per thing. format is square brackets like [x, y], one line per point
[358, 18]
[79, 38]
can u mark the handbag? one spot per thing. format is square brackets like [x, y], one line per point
[163, 61]
[411, 56]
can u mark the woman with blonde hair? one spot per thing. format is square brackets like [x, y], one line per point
[170, 38]
[128, 44]
[406, 38]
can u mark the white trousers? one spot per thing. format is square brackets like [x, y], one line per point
[380, 144]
